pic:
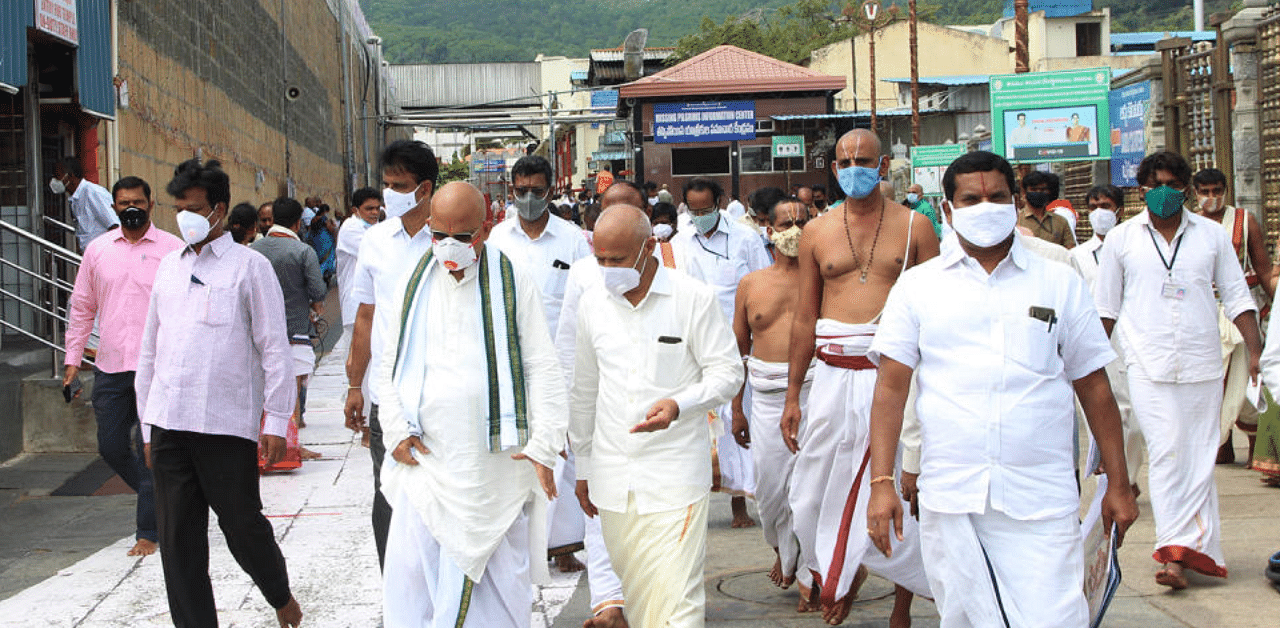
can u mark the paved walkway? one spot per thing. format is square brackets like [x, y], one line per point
[321, 516]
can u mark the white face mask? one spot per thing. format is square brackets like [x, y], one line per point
[662, 231]
[619, 281]
[1102, 220]
[57, 186]
[986, 224]
[397, 204]
[454, 255]
[193, 227]
[1210, 204]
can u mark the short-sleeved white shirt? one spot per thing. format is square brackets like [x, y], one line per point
[547, 259]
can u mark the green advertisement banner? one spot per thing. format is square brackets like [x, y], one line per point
[1040, 117]
[928, 163]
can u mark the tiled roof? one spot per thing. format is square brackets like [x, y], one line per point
[728, 70]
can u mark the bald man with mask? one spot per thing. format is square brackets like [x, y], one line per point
[653, 355]
[474, 409]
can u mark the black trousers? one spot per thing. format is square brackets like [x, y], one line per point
[193, 473]
[381, 507]
[115, 405]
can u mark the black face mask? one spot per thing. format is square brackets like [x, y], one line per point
[1040, 199]
[133, 218]
[819, 204]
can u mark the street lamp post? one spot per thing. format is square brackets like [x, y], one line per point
[871, 9]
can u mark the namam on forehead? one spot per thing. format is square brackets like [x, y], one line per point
[622, 224]
[858, 144]
[621, 194]
[457, 208]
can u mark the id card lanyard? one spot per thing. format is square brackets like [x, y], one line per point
[1171, 289]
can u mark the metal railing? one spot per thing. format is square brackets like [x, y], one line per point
[51, 273]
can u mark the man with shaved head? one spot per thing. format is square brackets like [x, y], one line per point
[653, 354]
[471, 394]
[849, 259]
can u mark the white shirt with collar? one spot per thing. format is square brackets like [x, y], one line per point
[91, 206]
[349, 237]
[995, 396]
[547, 258]
[723, 259]
[387, 255]
[1170, 339]
[1084, 258]
[674, 344]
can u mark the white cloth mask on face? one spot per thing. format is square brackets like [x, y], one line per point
[662, 231]
[194, 227]
[454, 255]
[986, 224]
[619, 281]
[397, 204]
[57, 186]
[1102, 220]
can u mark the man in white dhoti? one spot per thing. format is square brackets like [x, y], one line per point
[849, 258]
[720, 251]
[470, 389]
[999, 338]
[765, 305]
[653, 355]
[1157, 278]
[545, 246]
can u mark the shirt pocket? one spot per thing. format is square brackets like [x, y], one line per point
[219, 306]
[555, 282]
[666, 364]
[1033, 343]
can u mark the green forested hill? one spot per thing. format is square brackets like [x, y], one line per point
[460, 31]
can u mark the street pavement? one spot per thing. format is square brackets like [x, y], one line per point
[63, 563]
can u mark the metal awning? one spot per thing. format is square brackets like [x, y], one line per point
[851, 115]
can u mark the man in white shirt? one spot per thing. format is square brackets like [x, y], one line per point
[1157, 278]
[1000, 338]
[607, 600]
[653, 356]
[214, 379]
[545, 246]
[736, 209]
[366, 207]
[388, 252]
[720, 252]
[90, 202]
[849, 258]
[471, 394]
[1106, 203]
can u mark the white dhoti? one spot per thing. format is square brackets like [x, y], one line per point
[423, 588]
[1236, 412]
[992, 570]
[565, 519]
[830, 483]
[773, 461]
[602, 581]
[661, 559]
[1180, 425]
[737, 471]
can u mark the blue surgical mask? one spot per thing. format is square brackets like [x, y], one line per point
[858, 181]
[913, 198]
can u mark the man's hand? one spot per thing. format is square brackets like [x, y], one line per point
[546, 475]
[354, 409]
[273, 448]
[402, 453]
[659, 418]
[146, 454]
[584, 498]
[1119, 507]
[317, 309]
[72, 370]
[791, 426]
[909, 488]
[883, 509]
[741, 428]
[1255, 367]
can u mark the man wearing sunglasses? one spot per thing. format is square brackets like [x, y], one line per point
[471, 394]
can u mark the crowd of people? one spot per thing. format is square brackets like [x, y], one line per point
[578, 372]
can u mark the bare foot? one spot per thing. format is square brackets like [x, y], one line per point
[307, 454]
[567, 563]
[740, 517]
[808, 601]
[607, 618]
[775, 574]
[859, 579]
[301, 422]
[364, 437]
[901, 617]
[1171, 576]
[1136, 491]
[289, 615]
[835, 614]
[142, 548]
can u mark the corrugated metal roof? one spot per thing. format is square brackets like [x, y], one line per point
[615, 54]
[953, 81]
[1054, 8]
[1151, 38]
[93, 58]
[467, 85]
[730, 70]
[15, 17]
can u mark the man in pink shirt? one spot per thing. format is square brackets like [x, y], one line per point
[114, 285]
[214, 360]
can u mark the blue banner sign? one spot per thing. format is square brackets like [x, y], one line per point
[1128, 132]
[704, 121]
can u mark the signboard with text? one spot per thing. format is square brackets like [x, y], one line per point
[1128, 132]
[675, 123]
[58, 18]
[788, 146]
[1039, 117]
[928, 163]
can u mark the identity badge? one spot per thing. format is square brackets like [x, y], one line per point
[1173, 291]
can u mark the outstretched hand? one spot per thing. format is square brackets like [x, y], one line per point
[659, 417]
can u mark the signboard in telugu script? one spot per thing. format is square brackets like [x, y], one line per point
[675, 123]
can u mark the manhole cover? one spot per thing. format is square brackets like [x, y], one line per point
[755, 586]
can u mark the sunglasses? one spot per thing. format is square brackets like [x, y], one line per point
[464, 238]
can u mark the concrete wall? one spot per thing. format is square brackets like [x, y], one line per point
[208, 80]
[50, 424]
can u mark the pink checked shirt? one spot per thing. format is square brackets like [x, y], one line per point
[215, 354]
[114, 284]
